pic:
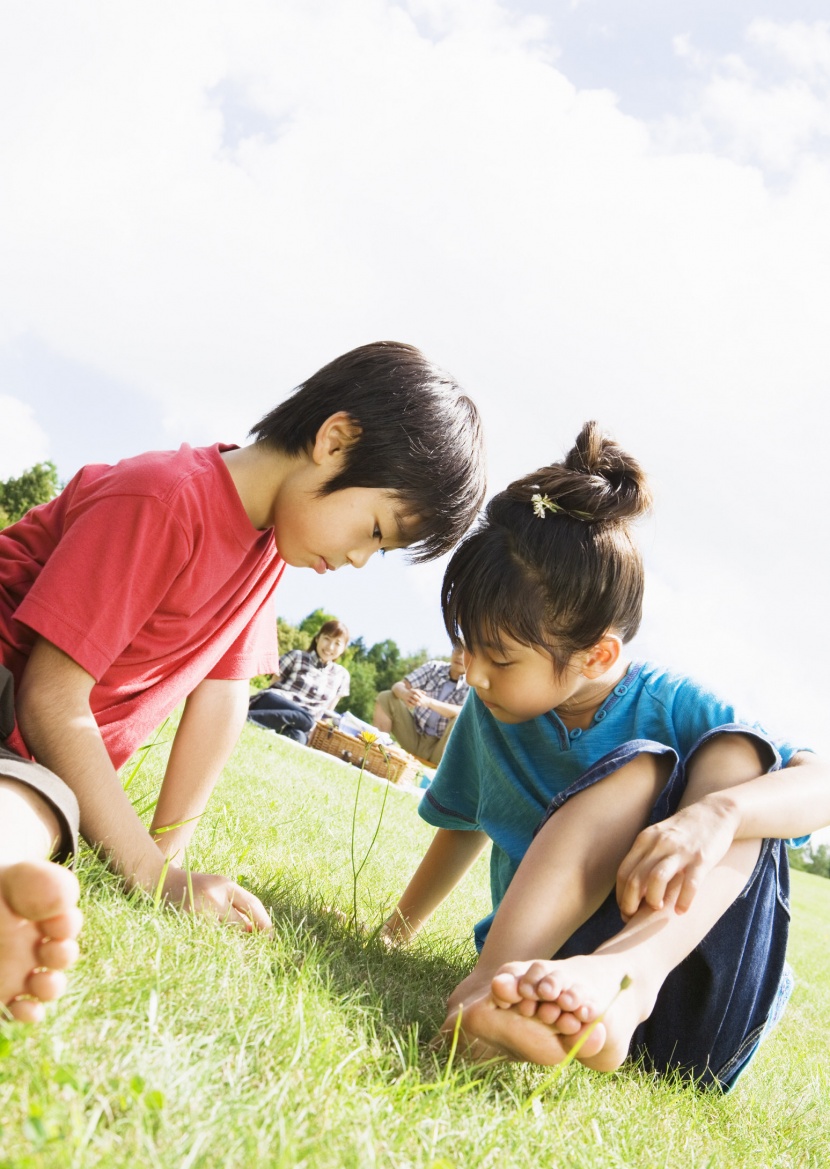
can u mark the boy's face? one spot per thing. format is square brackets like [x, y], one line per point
[330, 531]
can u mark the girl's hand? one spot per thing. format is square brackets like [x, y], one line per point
[668, 861]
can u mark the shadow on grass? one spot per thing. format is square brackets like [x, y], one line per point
[396, 995]
[401, 986]
[406, 990]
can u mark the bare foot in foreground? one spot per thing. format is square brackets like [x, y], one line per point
[39, 922]
[566, 998]
[549, 990]
[489, 1032]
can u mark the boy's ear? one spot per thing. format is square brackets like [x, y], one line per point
[602, 656]
[336, 435]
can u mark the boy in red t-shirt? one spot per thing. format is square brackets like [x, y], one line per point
[150, 583]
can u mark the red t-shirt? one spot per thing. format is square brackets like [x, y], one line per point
[148, 574]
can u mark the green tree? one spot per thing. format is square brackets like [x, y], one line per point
[390, 665]
[363, 689]
[313, 621]
[799, 859]
[290, 637]
[820, 860]
[37, 485]
[810, 858]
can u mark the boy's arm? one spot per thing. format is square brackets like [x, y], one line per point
[791, 802]
[211, 721]
[447, 859]
[57, 723]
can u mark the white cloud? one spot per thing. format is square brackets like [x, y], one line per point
[23, 442]
[207, 202]
[805, 47]
[768, 104]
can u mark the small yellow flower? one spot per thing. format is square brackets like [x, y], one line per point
[368, 736]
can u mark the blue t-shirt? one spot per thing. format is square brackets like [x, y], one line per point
[499, 778]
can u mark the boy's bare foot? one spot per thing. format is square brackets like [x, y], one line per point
[39, 922]
[566, 998]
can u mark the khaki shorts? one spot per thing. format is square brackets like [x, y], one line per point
[426, 747]
[48, 786]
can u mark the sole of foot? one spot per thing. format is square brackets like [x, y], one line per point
[39, 925]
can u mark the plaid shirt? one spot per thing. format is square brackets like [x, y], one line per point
[434, 679]
[313, 684]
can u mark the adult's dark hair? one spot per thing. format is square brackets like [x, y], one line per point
[332, 628]
[553, 562]
[420, 437]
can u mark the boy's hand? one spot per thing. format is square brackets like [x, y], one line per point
[216, 895]
[668, 861]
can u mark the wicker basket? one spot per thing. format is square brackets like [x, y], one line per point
[388, 762]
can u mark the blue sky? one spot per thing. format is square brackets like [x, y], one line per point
[587, 209]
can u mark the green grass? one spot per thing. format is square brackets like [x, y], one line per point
[185, 1044]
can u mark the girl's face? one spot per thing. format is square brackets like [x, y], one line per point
[517, 682]
[330, 646]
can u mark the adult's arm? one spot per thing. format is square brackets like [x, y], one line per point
[448, 858]
[445, 709]
[413, 697]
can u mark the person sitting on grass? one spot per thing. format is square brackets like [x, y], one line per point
[421, 709]
[150, 583]
[309, 685]
[595, 775]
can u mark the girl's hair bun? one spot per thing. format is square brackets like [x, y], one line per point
[597, 482]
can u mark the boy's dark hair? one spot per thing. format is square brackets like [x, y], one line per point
[333, 628]
[421, 436]
[553, 563]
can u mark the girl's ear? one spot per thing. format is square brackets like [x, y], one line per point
[335, 436]
[602, 656]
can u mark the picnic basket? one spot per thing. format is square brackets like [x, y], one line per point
[388, 762]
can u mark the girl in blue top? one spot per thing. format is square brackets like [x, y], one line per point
[636, 819]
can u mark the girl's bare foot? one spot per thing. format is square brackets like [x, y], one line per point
[567, 998]
[549, 990]
[39, 922]
[489, 1032]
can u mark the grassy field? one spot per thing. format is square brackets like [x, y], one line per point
[185, 1044]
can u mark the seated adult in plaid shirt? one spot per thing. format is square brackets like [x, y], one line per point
[420, 709]
[309, 684]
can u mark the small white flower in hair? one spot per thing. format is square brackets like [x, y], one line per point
[543, 503]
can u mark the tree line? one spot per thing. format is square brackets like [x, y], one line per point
[811, 858]
[17, 495]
